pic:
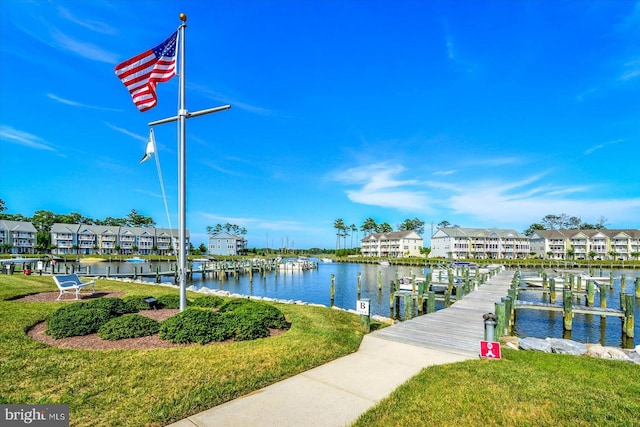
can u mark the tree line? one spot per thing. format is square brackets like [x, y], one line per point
[370, 226]
[564, 222]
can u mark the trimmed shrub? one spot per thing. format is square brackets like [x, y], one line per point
[232, 304]
[169, 301]
[136, 303]
[247, 328]
[128, 326]
[264, 314]
[210, 301]
[115, 306]
[196, 325]
[77, 321]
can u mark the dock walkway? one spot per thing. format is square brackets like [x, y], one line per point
[457, 329]
[336, 393]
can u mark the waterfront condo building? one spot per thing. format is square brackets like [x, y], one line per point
[17, 237]
[394, 244]
[478, 243]
[224, 243]
[586, 244]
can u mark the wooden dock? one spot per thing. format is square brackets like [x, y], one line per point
[457, 329]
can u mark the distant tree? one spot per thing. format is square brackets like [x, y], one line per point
[412, 225]
[203, 248]
[551, 222]
[2, 206]
[384, 228]
[369, 226]
[444, 224]
[532, 229]
[134, 219]
[353, 229]
[338, 224]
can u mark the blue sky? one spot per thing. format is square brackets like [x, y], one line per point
[480, 113]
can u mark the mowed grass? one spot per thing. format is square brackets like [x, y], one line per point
[160, 386]
[524, 389]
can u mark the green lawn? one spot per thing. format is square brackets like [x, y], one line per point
[524, 389]
[154, 387]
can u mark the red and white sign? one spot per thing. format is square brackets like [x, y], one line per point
[490, 350]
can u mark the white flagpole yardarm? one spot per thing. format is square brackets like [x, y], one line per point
[183, 114]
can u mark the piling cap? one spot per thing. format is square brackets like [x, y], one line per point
[490, 316]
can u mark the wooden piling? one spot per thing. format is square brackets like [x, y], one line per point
[431, 302]
[623, 281]
[637, 287]
[359, 284]
[501, 315]
[552, 291]
[447, 298]
[333, 288]
[408, 306]
[379, 280]
[590, 293]
[567, 301]
[629, 321]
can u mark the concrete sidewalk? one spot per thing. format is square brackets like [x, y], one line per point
[334, 394]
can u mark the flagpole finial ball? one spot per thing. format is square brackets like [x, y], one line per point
[183, 17]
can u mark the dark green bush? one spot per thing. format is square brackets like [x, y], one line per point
[247, 328]
[169, 301]
[263, 314]
[211, 301]
[128, 326]
[115, 306]
[233, 304]
[136, 303]
[76, 321]
[196, 325]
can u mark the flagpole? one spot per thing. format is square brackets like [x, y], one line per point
[182, 117]
[182, 184]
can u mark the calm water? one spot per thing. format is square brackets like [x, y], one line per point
[314, 287]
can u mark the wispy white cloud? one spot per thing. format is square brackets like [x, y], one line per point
[379, 187]
[205, 91]
[90, 51]
[631, 69]
[15, 136]
[93, 25]
[597, 147]
[78, 104]
[128, 133]
[447, 172]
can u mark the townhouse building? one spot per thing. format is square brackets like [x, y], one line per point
[224, 243]
[478, 243]
[17, 237]
[394, 244]
[82, 239]
[618, 244]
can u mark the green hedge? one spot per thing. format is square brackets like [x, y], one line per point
[128, 326]
[196, 325]
[77, 321]
[211, 301]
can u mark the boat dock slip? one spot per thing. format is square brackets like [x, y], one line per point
[457, 329]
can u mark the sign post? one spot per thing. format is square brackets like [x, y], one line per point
[490, 350]
[364, 310]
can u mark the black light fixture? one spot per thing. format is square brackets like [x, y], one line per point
[151, 302]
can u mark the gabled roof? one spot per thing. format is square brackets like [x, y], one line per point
[65, 228]
[393, 235]
[225, 235]
[18, 226]
[478, 232]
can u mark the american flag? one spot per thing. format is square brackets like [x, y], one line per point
[141, 73]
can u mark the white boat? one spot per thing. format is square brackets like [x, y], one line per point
[326, 260]
[135, 259]
[385, 263]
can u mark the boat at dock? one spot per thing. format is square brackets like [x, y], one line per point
[135, 259]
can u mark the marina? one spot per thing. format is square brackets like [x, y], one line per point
[352, 281]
